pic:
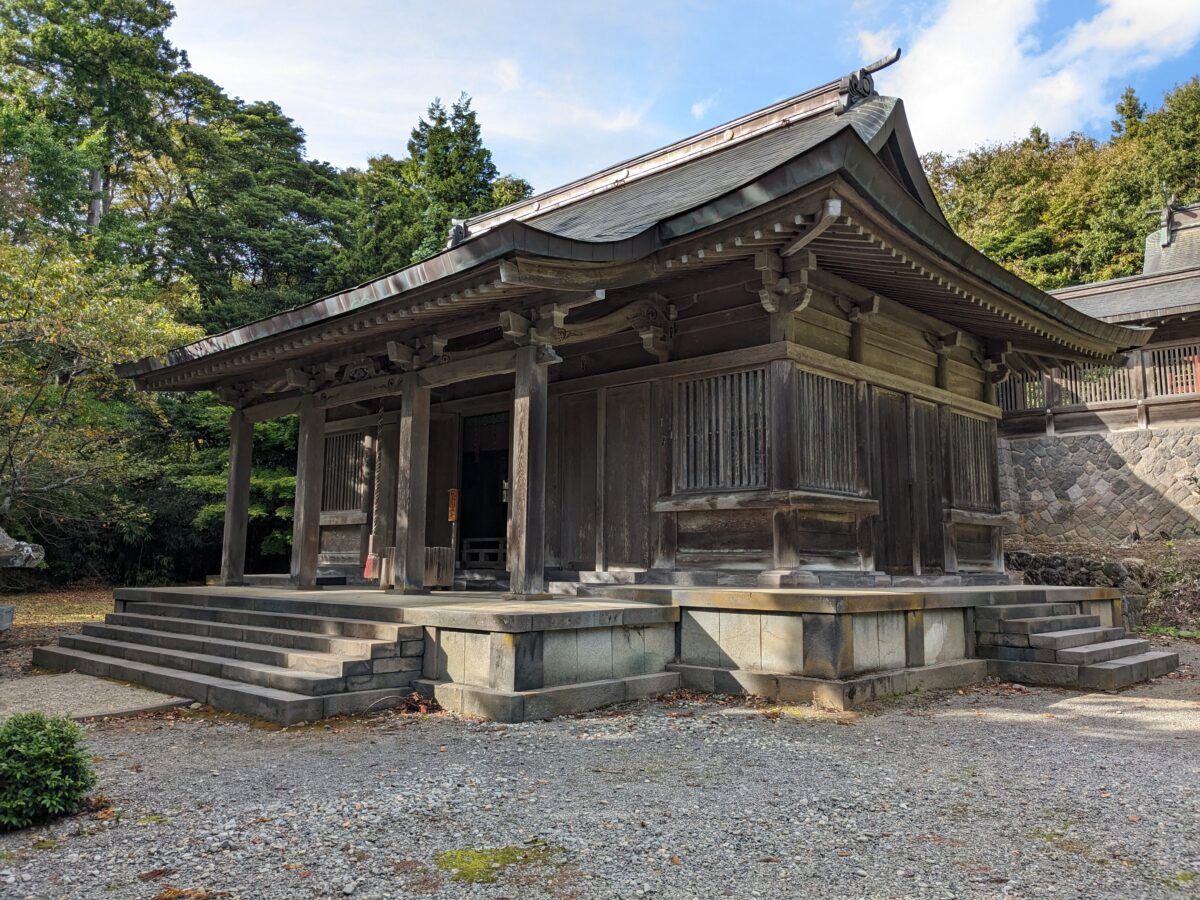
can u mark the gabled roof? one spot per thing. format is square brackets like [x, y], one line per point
[633, 210]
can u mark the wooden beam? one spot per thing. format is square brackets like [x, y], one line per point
[412, 485]
[306, 517]
[237, 499]
[572, 275]
[527, 503]
[272, 409]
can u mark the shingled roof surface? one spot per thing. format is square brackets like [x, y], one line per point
[1137, 297]
[628, 210]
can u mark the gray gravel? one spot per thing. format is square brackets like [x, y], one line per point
[990, 792]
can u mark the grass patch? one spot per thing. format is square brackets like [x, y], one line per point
[1181, 879]
[486, 866]
[153, 819]
[60, 607]
[1192, 634]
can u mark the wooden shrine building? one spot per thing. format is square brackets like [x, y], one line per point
[757, 355]
[722, 415]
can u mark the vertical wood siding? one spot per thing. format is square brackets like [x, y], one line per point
[975, 462]
[827, 431]
[344, 485]
[720, 432]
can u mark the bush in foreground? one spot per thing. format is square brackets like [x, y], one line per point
[45, 769]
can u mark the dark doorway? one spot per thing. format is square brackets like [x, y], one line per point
[484, 501]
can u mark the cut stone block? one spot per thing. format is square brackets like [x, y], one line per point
[782, 643]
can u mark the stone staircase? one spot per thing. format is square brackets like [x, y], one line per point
[278, 658]
[1055, 643]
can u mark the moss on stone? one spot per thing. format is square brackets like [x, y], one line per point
[486, 865]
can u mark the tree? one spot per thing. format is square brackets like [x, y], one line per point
[98, 70]
[67, 422]
[1131, 114]
[405, 207]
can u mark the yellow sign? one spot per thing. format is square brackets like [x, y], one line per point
[452, 510]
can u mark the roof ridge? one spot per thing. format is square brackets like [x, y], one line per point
[1112, 284]
[835, 96]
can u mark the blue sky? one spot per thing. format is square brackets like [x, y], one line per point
[564, 88]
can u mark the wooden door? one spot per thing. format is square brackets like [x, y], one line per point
[577, 489]
[927, 486]
[894, 525]
[626, 487]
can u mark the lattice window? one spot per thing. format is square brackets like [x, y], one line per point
[1021, 391]
[1090, 383]
[828, 434]
[721, 432]
[1174, 370]
[344, 486]
[973, 455]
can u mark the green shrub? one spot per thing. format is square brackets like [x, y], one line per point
[45, 769]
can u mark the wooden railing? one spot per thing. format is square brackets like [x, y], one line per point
[1091, 397]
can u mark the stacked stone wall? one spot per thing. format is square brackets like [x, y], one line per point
[1103, 488]
[1131, 576]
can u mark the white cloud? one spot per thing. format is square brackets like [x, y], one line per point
[701, 107]
[508, 74]
[975, 71]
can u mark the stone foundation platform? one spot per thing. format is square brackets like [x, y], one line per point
[290, 656]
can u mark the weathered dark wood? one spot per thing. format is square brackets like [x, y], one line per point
[306, 518]
[237, 498]
[526, 533]
[927, 486]
[578, 497]
[627, 462]
[412, 483]
[893, 536]
[664, 525]
[807, 500]
[383, 497]
[781, 424]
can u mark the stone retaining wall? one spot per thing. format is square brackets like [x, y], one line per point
[1130, 576]
[1105, 487]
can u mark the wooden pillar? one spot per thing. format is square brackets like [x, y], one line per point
[237, 499]
[527, 500]
[383, 501]
[412, 485]
[310, 475]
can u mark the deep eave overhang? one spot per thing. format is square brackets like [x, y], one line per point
[843, 154]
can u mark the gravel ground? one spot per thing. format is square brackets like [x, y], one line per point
[994, 791]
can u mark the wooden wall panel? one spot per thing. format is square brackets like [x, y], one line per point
[928, 509]
[975, 463]
[576, 501]
[827, 434]
[893, 534]
[627, 461]
[725, 539]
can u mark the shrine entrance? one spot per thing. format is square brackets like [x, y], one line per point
[485, 492]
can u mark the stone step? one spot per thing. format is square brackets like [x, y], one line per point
[1089, 654]
[281, 707]
[275, 637]
[1022, 611]
[1042, 624]
[1120, 673]
[321, 607]
[354, 628]
[1075, 637]
[327, 663]
[298, 681]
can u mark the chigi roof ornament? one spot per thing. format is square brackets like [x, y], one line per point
[860, 85]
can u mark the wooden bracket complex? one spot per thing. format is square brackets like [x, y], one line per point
[782, 293]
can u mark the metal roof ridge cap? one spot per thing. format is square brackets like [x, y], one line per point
[1125, 282]
[605, 181]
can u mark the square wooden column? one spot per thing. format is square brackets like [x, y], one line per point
[310, 476]
[237, 499]
[412, 485]
[527, 499]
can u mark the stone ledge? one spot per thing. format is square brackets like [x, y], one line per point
[832, 693]
[514, 617]
[544, 703]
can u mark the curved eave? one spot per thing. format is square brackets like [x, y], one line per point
[510, 238]
[847, 155]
